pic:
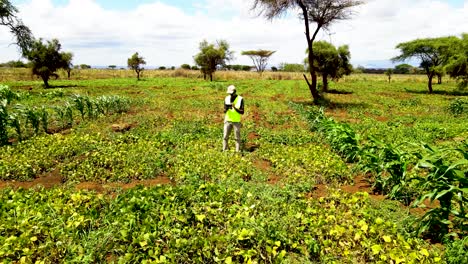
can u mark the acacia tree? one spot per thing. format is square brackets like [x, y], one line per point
[211, 56]
[432, 53]
[457, 66]
[331, 62]
[8, 17]
[46, 59]
[389, 73]
[68, 65]
[320, 12]
[135, 62]
[259, 58]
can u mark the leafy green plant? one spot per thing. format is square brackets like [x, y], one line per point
[15, 121]
[3, 122]
[68, 110]
[7, 94]
[44, 115]
[447, 182]
[458, 106]
[33, 117]
[80, 104]
[60, 115]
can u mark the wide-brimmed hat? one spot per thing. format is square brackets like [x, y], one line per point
[231, 89]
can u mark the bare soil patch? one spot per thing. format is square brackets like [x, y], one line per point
[47, 180]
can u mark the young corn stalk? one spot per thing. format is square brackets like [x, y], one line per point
[3, 122]
[80, 105]
[69, 114]
[33, 118]
[15, 121]
[60, 115]
[446, 182]
[44, 115]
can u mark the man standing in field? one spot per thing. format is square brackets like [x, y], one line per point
[233, 109]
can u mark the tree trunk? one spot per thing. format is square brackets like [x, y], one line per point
[211, 77]
[325, 83]
[69, 73]
[138, 75]
[312, 86]
[389, 78]
[45, 79]
[439, 79]
[429, 84]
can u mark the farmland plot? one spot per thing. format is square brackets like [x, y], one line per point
[277, 201]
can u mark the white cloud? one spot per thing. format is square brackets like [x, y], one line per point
[166, 35]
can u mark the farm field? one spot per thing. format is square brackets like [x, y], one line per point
[133, 172]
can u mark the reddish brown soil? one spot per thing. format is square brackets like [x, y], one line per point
[53, 179]
[360, 185]
[252, 136]
[47, 180]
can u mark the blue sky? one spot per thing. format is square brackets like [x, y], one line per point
[167, 32]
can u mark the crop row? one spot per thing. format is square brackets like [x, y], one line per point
[423, 172]
[28, 121]
[207, 223]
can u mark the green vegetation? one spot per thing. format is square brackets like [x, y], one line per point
[259, 58]
[135, 63]
[287, 198]
[211, 56]
[46, 59]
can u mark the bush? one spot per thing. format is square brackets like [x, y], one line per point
[185, 66]
[458, 106]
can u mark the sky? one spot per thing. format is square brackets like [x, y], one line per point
[168, 32]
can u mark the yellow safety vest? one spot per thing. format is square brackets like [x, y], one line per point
[231, 114]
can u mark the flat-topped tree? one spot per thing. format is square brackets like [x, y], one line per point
[457, 66]
[431, 52]
[135, 63]
[8, 17]
[259, 58]
[322, 13]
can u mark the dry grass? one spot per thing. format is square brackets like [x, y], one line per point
[9, 74]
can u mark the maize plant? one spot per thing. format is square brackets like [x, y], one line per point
[61, 115]
[15, 121]
[447, 182]
[68, 114]
[7, 94]
[90, 108]
[44, 115]
[33, 117]
[3, 122]
[80, 104]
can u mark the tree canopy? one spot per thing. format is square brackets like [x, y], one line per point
[46, 59]
[259, 58]
[8, 17]
[212, 55]
[431, 52]
[135, 63]
[330, 61]
[457, 66]
[322, 13]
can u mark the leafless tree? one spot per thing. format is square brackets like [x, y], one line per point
[322, 13]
